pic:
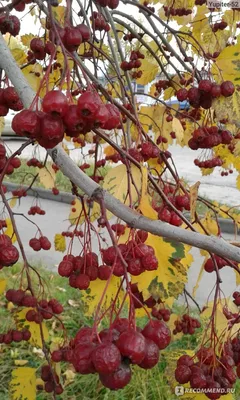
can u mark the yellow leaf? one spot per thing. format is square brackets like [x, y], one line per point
[109, 151]
[33, 80]
[23, 384]
[20, 363]
[238, 182]
[9, 230]
[74, 216]
[26, 39]
[117, 182]
[19, 56]
[149, 71]
[196, 286]
[60, 242]
[145, 202]
[34, 328]
[206, 171]
[59, 13]
[47, 177]
[228, 107]
[193, 198]
[13, 202]
[93, 294]
[2, 123]
[2, 285]
[228, 64]
[209, 224]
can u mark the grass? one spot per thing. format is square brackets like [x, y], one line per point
[25, 174]
[145, 385]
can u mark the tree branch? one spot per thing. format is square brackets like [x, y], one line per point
[88, 186]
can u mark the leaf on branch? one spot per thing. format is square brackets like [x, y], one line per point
[34, 328]
[196, 286]
[92, 296]
[47, 177]
[228, 64]
[23, 384]
[228, 107]
[9, 230]
[2, 285]
[33, 80]
[2, 124]
[150, 70]
[13, 202]
[26, 39]
[193, 198]
[60, 242]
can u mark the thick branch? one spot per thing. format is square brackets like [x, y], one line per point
[88, 186]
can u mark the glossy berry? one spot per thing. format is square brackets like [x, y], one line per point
[45, 243]
[35, 244]
[227, 88]
[118, 379]
[132, 345]
[82, 281]
[55, 102]
[205, 85]
[106, 358]
[65, 268]
[158, 332]
[151, 357]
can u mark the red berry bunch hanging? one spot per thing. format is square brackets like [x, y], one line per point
[99, 23]
[113, 4]
[120, 347]
[219, 26]
[134, 62]
[15, 336]
[33, 162]
[208, 137]
[9, 99]
[161, 313]
[209, 264]
[215, 374]
[42, 243]
[36, 210]
[212, 163]
[49, 379]
[161, 85]
[179, 12]
[149, 150]
[21, 298]
[186, 324]
[9, 24]
[19, 193]
[9, 254]
[46, 310]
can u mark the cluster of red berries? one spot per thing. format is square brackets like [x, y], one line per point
[72, 234]
[225, 173]
[39, 49]
[42, 243]
[9, 99]
[161, 85]
[33, 162]
[138, 256]
[130, 36]
[179, 12]
[118, 348]
[205, 93]
[21, 5]
[200, 2]
[219, 26]
[186, 324]
[162, 139]
[20, 298]
[99, 23]
[79, 270]
[214, 162]
[9, 24]
[15, 336]
[213, 374]
[48, 127]
[148, 150]
[209, 265]
[51, 381]
[165, 214]
[209, 137]
[9, 254]
[134, 62]
[36, 210]
[19, 193]
[46, 310]
[13, 163]
[113, 4]
[236, 296]
[70, 36]
[161, 313]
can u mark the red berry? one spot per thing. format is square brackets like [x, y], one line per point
[88, 105]
[118, 379]
[55, 102]
[165, 215]
[215, 91]
[35, 244]
[149, 262]
[151, 355]
[132, 345]
[65, 268]
[227, 88]
[46, 373]
[52, 131]
[205, 85]
[85, 32]
[198, 381]
[104, 272]
[182, 94]
[82, 281]
[9, 256]
[114, 117]
[45, 243]
[106, 358]
[82, 358]
[57, 355]
[72, 38]
[26, 334]
[17, 336]
[159, 332]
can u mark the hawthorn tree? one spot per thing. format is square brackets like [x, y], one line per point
[76, 82]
